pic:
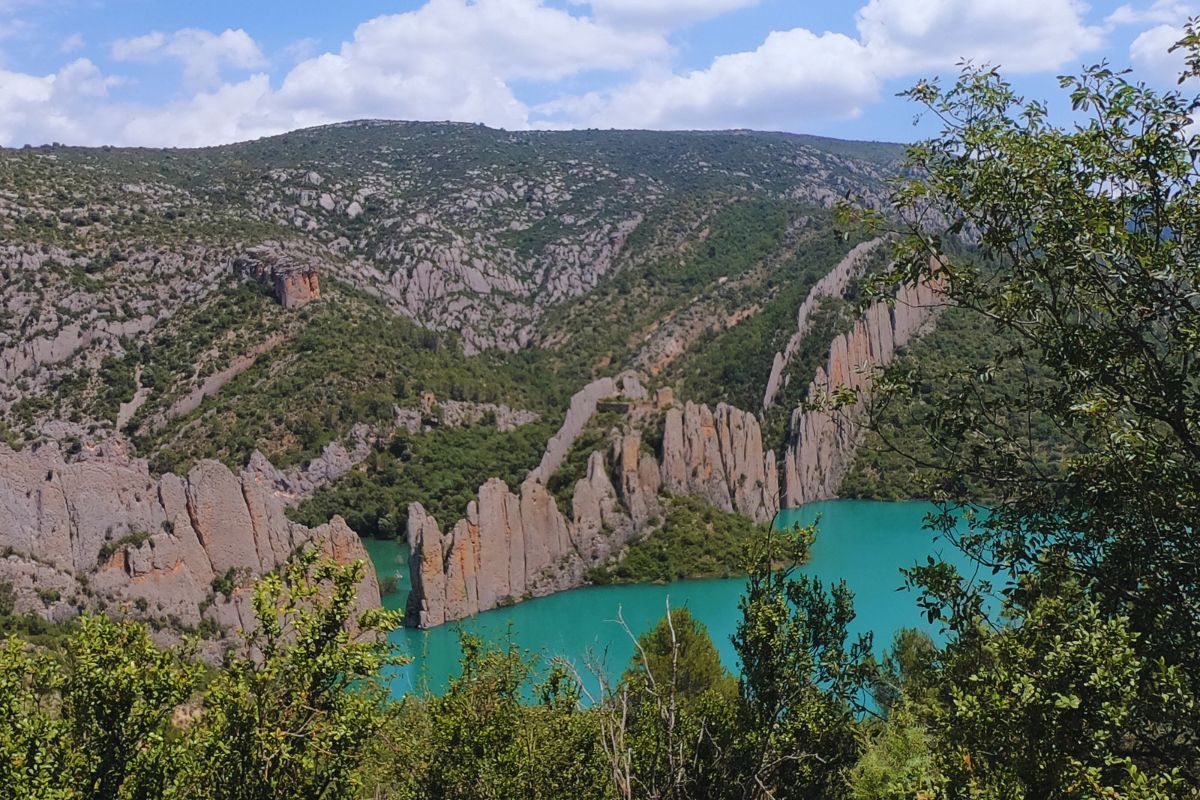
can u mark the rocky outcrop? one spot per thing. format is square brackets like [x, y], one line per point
[296, 288]
[719, 457]
[102, 533]
[512, 546]
[833, 284]
[823, 439]
[509, 547]
[56, 348]
[582, 407]
[294, 276]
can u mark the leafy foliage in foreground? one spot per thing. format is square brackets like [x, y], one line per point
[114, 717]
[899, 460]
[1090, 687]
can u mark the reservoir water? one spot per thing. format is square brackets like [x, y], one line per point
[866, 543]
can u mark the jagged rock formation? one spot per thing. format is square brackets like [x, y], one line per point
[719, 456]
[582, 407]
[834, 284]
[291, 274]
[101, 533]
[823, 440]
[510, 547]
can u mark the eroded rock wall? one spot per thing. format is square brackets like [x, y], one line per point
[513, 546]
[823, 440]
[834, 284]
[101, 533]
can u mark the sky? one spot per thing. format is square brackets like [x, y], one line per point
[183, 73]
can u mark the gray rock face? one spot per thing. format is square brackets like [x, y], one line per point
[823, 441]
[720, 457]
[833, 284]
[509, 547]
[583, 406]
[104, 534]
[512, 546]
[66, 342]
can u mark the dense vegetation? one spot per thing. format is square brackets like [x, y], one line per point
[1073, 673]
[443, 469]
[352, 362]
[898, 459]
[733, 366]
[695, 540]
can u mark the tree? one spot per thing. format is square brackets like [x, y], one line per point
[295, 713]
[679, 652]
[483, 740]
[1086, 257]
[90, 722]
[802, 677]
[289, 718]
[670, 725]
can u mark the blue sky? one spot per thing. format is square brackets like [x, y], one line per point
[152, 72]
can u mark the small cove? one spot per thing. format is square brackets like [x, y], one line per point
[864, 542]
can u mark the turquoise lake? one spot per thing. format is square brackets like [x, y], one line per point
[866, 543]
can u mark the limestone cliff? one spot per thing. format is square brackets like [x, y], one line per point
[101, 533]
[513, 546]
[833, 284]
[823, 440]
[719, 456]
[293, 275]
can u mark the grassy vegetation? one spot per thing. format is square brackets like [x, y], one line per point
[30, 627]
[442, 469]
[353, 361]
[733, 366]
[695, 540]
[674, 259]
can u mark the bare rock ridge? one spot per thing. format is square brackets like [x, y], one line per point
[66, 342]
[832, 285]
[101, 533]
[582, 407]
[513, 546]
[823, 440]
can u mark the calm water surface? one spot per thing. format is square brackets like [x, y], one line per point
[866, 543]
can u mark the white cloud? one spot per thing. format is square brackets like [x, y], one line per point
[452, 59]
[46, 108]
[1151, 56]
[72, 43]
[449, 59]
[795, 76]
[202, 53]
[662, 14]
[1161, 11]
[460, 59]
[911, 36]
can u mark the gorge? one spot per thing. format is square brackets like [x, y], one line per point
[510, 546]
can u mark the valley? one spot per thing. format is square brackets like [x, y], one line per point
[516, 352]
